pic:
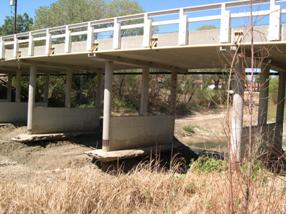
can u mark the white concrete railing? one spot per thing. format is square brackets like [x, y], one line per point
[145, 22]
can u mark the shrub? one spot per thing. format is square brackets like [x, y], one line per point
[208, 165]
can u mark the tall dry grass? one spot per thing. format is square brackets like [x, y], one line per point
[88, 190]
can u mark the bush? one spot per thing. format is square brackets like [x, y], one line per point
[208, 165]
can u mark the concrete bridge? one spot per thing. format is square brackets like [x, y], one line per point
[140, 41]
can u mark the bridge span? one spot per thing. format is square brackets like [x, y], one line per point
[141, 41]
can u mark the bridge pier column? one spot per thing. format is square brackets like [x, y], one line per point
[144, 92]
[280, 111]
[263, 97]
[46, 88]
[9, 88]
[68, 89]
[237, 111]
[18, 86]
[31, 98]
[107, 105]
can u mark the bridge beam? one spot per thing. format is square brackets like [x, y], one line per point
[144, 92]
[263, 96]
[32, 95]
[237, 111]
[141, 63]
[107, 105]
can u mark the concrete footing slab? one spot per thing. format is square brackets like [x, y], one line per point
[108, 156]
[28, 138]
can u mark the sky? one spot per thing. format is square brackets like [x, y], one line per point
[29, 6]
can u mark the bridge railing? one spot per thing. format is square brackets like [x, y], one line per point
[145, 24]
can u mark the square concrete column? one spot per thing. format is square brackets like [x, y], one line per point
[144, 92]
[18, 86]
[68, 89]
[46, 88]
[31, 98]
[237, 111]
[280, 111]
[263, 97]
[107, 105]
[9, 88]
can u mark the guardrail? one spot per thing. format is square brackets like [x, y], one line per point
[88, 31]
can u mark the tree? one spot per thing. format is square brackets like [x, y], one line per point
[24, 23]
[207, 27]
[65, 12]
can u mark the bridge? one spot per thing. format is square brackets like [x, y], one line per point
[162, 39]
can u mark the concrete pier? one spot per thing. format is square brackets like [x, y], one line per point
[280, 111]
[32, 94]
[263, 97]
[237, 111]
[107, 105]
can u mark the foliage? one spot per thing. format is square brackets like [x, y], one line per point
[65, 12]
[189, 129]
[207, 27]
[24, 23]
[208, 165]
[273, 89]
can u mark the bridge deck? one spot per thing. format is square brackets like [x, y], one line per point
[81, 47]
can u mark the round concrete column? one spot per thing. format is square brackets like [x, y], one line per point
[144, 92]
[9, 88]
[68, 89]
[107, 105]
[263, 97]
[237, 111]
[18, 86]
[32, 94]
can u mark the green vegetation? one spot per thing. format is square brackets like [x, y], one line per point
[208, 165]
[24, 23]
[189, 129]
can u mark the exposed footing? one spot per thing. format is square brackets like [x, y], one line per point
[109, 156]
[28, 138]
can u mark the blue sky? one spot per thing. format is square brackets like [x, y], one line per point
[29, 6]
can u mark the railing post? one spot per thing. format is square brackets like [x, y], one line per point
[116, 34]
[225, 25]
[67, 40]
[183, 28]
[31, 45]
[2, 48]
[147, 31]
[274, 32]
[89, 41]
[16, 47]
[48, 42]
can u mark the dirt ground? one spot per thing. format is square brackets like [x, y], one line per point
[24, 161]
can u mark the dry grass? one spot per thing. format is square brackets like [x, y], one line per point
[88, 190]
